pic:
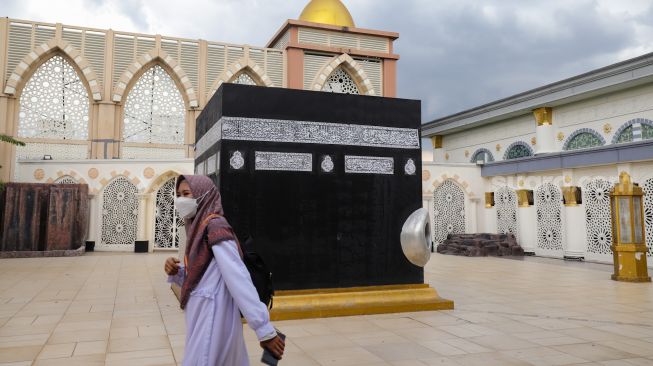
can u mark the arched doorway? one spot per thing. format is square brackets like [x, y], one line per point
[119, 216]
[448, 211]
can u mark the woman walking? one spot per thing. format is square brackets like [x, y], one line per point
[215, 283]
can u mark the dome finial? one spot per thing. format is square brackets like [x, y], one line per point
[331, 12]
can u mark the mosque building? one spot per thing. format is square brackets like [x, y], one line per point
[540, 164]
[116, 110]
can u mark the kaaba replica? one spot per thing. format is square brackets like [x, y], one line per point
[323, 183]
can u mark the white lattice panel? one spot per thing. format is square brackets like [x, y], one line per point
[154, 111]
[54, 103]
[596, 199]
[340, 82]
[648, 215]
[548, 202]
[35, 151]
[119, 215]
[137, 152]
[65, 179]
[448, 211]
[506, 205]
[167, 222]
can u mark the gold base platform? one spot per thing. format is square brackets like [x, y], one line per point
[324, 303]
[303, 304]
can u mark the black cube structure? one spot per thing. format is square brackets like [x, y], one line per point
[323, 182]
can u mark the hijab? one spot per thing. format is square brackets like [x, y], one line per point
[207, 228]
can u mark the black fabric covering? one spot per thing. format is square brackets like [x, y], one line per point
[315, 229]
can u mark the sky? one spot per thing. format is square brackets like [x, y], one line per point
[455, 54]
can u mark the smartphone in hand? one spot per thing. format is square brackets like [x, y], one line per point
[268, 358]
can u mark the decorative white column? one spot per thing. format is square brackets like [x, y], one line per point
[489, 214]
[574, 224]
[472, 225]
[141, 233]
[544, 132]
[438, 151]
[527, 221]
[93, 212]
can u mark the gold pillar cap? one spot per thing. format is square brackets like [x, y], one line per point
[331, 12]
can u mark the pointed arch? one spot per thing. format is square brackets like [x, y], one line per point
[33, 60]
[526, 150]
[570, 142]
[617, 134]
[456, 179]
[160, 180]
[145, 62]
[234, 70]
[353, 68]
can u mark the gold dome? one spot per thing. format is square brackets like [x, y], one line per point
[331, 12]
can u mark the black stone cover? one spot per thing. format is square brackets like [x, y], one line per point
[315, 229]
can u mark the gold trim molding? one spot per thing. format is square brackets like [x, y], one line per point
[543, 116]
[524, 197]
[571, 196]
[489, 199]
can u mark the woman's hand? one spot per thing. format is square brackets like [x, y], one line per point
[275, 346]
[171, 266]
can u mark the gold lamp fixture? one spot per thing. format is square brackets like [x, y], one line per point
[628, 246]
[332, 12]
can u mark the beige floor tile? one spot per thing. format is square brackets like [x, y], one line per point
[79, 336]
[401, 351]
[15, 354]
[345, 356]
[57, 351]
[593, 352]
[90, 348]
[138, 344]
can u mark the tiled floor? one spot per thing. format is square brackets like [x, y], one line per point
[116, 309]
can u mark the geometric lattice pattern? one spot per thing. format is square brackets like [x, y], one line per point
[54, 103]
[340, 82]
[448, 211]
[582, 139]
[244, 79]
[518, 150]
[648, 214]
[548, 200]
[505, 200]
[167, 222]
[154, 110]
[596, 198]
[119, 213]
[36, 150]
[65, 179]
[626, 135]
[482, 154]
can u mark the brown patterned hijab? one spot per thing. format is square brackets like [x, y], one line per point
[207, 228]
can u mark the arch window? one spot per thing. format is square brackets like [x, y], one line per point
[54, 103]
[340, 82]
[518, 150]
[637, 129]
[154, 110]
[483, 155]
[583, 139]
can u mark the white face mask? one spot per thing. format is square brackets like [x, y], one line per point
[187, 207]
